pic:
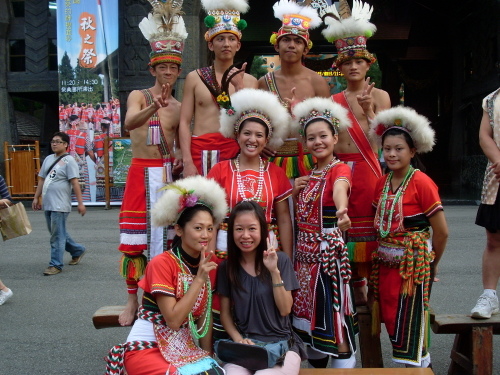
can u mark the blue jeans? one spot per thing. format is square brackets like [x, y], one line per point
[60, 240]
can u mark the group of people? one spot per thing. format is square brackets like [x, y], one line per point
[292, 211]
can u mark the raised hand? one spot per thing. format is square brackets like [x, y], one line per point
[237, 80]
[205, 266]
[270, 255]
[293, 101]
[365, 100]
[161, 101]
[343, 220]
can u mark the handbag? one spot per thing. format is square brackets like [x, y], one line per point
[256, 357]
[14, 222]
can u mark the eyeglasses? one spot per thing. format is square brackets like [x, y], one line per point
[56, 142]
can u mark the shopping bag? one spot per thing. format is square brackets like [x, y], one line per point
[14, 222]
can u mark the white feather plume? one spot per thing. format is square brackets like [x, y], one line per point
[239, 5]
[151, 27]
[264, 102]
[358, 24]
[166, 210]
[304, 109]
[418, 126]
[284, 7]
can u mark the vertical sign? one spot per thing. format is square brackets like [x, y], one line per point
[89, 109]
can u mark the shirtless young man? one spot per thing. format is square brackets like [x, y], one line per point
[293, 82]
[202, 145]
[152, 119]
[363, 101]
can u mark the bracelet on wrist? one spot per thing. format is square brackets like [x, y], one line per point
[278, 285]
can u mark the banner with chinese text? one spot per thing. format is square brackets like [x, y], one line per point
[89, 109]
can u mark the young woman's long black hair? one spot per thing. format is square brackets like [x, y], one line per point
[415, 161]
[234, 252]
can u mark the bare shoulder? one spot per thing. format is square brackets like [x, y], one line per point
[262, 83]
[381, 99]
[250, 81]
[319, 83]
[136, 97]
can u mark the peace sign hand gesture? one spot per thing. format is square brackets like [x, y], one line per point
[365, 100]
[206, 266]
[161, 101]
[270, 255]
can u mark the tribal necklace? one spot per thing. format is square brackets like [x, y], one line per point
[195, 331]
[239, 182]
[307, 197]
[383, 200]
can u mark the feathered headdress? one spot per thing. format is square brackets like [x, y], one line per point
[165, 30]
[319, 108]
[296, 20]
[349, 30]
[405, 119]
[252, 103]
[189, 192]
[224, 17]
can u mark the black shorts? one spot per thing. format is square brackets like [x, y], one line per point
[488, 215]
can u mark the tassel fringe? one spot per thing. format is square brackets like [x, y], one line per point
[133, 268]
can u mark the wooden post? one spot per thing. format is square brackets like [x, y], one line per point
[482, 350]
[7, 165]
[369, 345]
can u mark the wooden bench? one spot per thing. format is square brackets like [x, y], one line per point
[107, 316]
[366, 371]
[472, 351]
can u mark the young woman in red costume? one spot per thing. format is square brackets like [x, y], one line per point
[407, 207]
[176, 304]
[323, 312]
[255, 119]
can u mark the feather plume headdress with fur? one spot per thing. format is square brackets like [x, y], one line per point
[319, 108]
[257, 104]
[224, 16]
[189, 192]
[296, 20]
[349, 30]
[405, 119]
[165, 30]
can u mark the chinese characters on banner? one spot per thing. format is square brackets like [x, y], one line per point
[89, 109]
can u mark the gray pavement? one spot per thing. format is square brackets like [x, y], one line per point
[46, 327]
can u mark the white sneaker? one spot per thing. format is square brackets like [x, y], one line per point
[4, 296]
[485, 307]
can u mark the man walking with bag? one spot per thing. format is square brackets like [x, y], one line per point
[59, 173]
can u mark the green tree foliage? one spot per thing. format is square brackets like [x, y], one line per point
[257, 69]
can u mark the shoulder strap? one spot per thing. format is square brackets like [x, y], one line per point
[273, 88]
[358, 136]
[155, 122]
[56, 161]
[205, 75]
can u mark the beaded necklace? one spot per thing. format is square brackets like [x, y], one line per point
[239, 182]
[306, 197]
[383, 200]
[202, 331]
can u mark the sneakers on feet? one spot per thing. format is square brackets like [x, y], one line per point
[52, 271]
[75, 260]
[4, 296]
[485, 307]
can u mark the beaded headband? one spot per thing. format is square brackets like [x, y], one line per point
[405, 119]
[224, 17]
[165, 30]
[189, 192]
[349, 30]
[319, 108]
[258, 104]
[296, 20]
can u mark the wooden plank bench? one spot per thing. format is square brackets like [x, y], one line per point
[472, 351]
[107, 316]
[366, 371]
